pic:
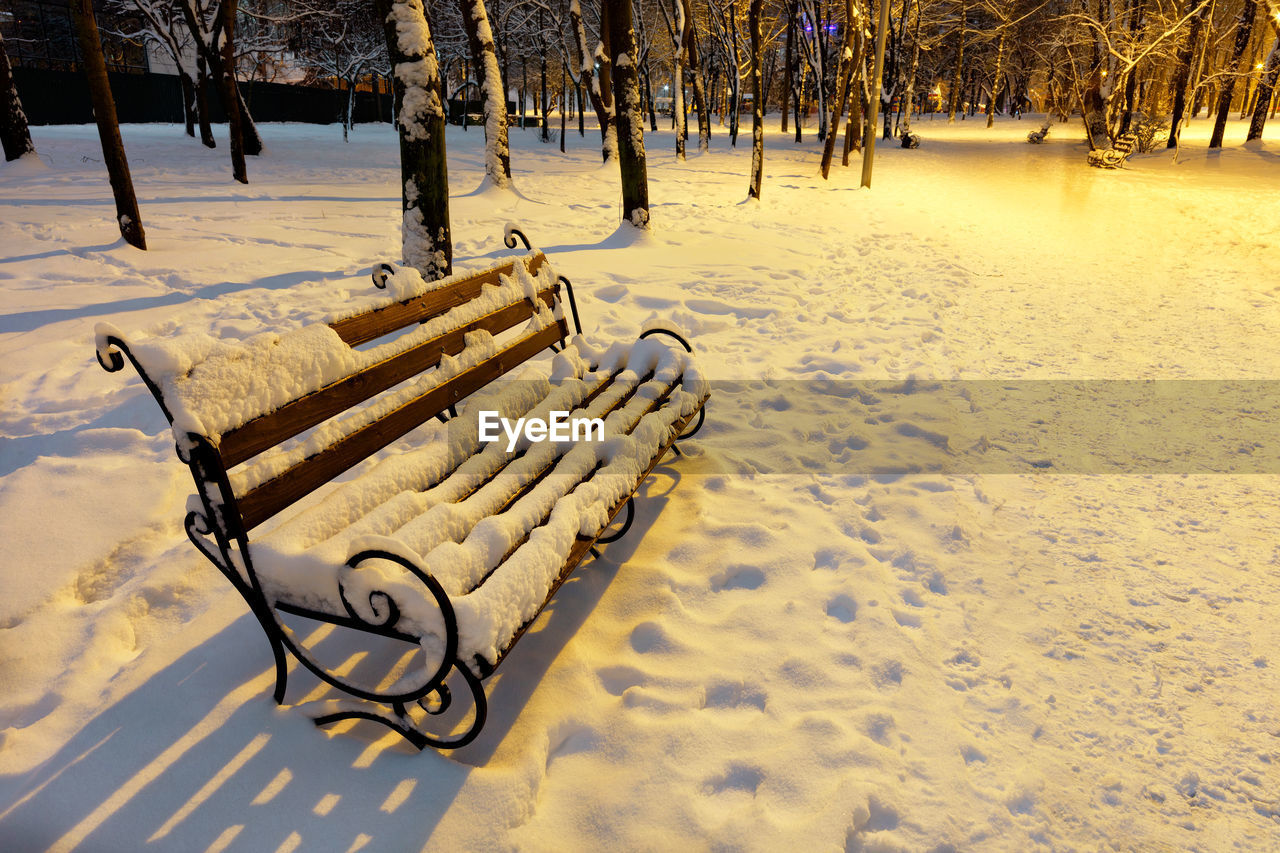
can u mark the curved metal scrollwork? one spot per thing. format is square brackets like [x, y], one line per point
[112, 349]
[702, 416]
[668, 332]
[509, 235]
[573, 303]
[399, 721]
[385, 617]
[380, 275]
[626, 525]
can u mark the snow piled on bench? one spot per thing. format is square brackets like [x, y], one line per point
[212, 386]
[438, 506]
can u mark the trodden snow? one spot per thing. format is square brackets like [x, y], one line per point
[791, 647]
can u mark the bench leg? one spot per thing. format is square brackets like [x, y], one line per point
[399, 720]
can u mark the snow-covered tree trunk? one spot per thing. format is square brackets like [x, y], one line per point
[104, 112]
[419, 98]
[15, 135]
[757, 97]
[630, 119]
[250, 139]
[599, 85]
[1244, 29]
[484, 58]
[679, 40]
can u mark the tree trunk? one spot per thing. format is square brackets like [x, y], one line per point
[908, 100]
[1244, 29]
[424, 178]
[957, 80]
[564, 101]
[1266, 87]
[15, 135]
[699, 84]
[843, 74]
[230, 91]
[757, 98]
[788, 58]
[734, 79]
[1182, 75]
[995, 81]
[202, 104]
[648, 98]
[188, 101]
[104, 111]
[626, 90]
[484, 58]
[249, 136]
[546, 104]
[599, 84]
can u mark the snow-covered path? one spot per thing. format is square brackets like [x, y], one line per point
[791, 646]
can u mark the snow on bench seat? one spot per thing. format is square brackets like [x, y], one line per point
[468, 512]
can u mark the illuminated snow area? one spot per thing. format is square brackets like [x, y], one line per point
[783, 650]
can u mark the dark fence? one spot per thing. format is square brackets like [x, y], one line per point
[62, 97]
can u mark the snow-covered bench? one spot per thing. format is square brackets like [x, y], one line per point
[1114, 157]
[445, 541]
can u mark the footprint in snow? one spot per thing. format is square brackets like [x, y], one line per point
[738, 577]
[842, 608]
[610, 293]
[738, 777]
[617, 679]
[734, 694]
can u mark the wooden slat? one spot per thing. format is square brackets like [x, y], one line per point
[301, 414]
[371, 325]
[583, 544]
[261, 503]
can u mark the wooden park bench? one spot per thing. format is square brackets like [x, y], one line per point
[1114, 157]
[447, 543]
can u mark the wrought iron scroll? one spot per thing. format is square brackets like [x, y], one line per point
[510, 233]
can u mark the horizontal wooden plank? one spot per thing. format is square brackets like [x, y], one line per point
[261, 503]
[303, 413]
[372, 325]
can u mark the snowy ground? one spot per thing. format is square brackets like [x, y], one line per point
[791, 646]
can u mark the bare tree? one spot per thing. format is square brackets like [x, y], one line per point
[104, 111]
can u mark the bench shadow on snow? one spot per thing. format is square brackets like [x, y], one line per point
[152, 772]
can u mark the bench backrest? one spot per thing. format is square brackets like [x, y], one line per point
[269, 430]
[211, 402]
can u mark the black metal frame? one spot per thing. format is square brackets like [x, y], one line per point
[217, 531]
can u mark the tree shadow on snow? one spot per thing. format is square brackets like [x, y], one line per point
[26, 321]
